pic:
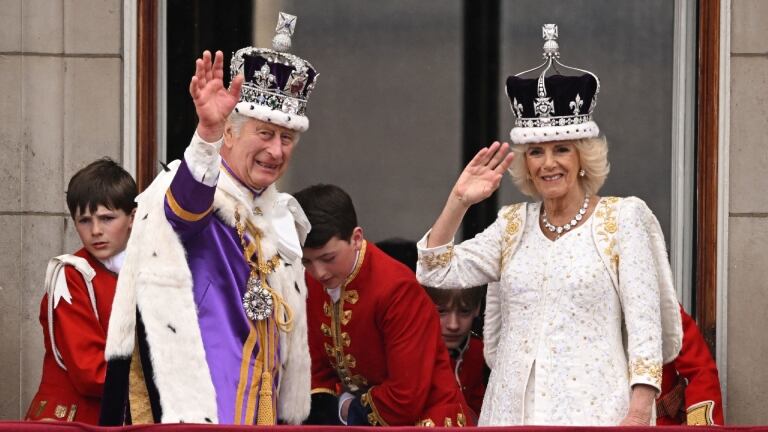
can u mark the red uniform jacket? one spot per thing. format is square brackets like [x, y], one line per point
[381, 341]
[470, 372]
[702, 403]
[75, 394]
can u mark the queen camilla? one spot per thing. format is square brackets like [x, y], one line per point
[582, 312]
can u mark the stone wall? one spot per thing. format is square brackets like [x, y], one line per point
[60, 108]
[747, 376]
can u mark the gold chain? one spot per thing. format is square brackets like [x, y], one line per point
[261, 269]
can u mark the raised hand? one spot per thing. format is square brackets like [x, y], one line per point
[482, 176]
[213, 101]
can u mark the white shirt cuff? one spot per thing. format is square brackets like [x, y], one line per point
[343, 398]
[203, 159]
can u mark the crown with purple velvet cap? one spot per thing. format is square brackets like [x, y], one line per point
[277, 84]
[554, 108]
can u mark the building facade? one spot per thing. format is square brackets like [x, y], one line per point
[69, 96]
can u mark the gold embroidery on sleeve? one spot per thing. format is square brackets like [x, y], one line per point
[184, 214]
[645, 368]
[374, 418]
[318, 390]
[436, 260]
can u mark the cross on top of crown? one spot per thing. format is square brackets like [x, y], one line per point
[551, 48]
[286, 23]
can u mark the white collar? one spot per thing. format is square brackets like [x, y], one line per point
[115, 262]
[281, 211]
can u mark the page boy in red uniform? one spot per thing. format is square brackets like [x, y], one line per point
[80, 287]
[458, 309]
[690, 387]
[373, 332]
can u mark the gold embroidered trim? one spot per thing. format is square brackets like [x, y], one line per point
[606, 217]
[318, 390]
[138, 396]
[356, 270]
[700, 414]
[514, 222]
[374, 418]
[40, 409]
[346, 317]
[341, 362]
[432, 260]
[325, 329]
[647, 369]
[60, 411]
[345, 339]
[461, 420]
[329, 350]
[351, 296]
[180, 212]
[72, 412]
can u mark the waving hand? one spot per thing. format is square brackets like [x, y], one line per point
[482, 176]
[213, 101]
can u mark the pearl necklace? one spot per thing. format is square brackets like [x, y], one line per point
[567, 227]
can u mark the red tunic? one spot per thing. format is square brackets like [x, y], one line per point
[702, 403]
[381, 341]
[471, 373]
[75, 394]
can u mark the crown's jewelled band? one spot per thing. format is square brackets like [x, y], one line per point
[275, 101]
[552, 121]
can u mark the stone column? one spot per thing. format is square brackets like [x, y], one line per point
[748, 219]
[60, 108]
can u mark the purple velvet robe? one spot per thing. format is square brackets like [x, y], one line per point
[219, 273]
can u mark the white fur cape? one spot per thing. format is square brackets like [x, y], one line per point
[157, 280]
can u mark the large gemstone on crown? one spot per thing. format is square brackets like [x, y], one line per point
[290, 105]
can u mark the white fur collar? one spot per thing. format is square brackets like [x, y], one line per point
[287, 224]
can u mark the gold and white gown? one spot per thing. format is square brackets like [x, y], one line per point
[560, 358]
